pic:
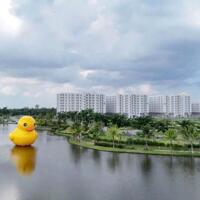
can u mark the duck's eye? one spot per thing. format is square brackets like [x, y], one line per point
[25, 124]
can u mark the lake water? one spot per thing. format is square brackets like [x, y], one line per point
[55, 170]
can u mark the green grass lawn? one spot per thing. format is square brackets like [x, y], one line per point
[138, 149]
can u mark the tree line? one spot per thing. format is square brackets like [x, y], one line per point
[88, 124]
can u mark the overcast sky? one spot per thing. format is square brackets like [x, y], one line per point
[109, 46]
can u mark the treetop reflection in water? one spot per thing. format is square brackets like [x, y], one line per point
[53, 169]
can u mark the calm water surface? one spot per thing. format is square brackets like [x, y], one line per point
[55, 170]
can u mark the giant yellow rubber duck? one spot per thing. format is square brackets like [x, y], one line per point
[24, 159]
[24, 134]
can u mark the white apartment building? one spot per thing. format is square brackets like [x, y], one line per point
[175, 106]
[111, 104]
[80, 101]
[159, 105]
[195, 108]
[129, 104]
[132, 105]
[181, 105]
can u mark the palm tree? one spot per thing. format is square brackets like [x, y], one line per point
[76, 130]
[171, 135]
[190, 133]
[95, 130]
[114, 132]
[162, 125]
[147, 131]
[185, 124]
[140, 122]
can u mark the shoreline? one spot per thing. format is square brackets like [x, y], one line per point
[138, 149]
[157, 152]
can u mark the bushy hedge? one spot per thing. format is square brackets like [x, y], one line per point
[109, 144]
[194, 145]
[136, 141]
[110, 140]
[132, 141]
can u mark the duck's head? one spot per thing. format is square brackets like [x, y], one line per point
[26, 123]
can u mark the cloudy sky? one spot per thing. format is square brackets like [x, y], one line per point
[109, 46]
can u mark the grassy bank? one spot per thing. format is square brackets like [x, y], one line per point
[137, 149]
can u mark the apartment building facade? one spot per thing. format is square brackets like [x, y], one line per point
[159, 105]
[81, 101]
[132, 105]
[111, 104]
[172, 106]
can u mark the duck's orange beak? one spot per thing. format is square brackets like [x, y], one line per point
[30, 129]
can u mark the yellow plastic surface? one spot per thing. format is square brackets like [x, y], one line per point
[24, 134]
[24, 159]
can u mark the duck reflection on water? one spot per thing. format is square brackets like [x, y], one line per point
[24, 159]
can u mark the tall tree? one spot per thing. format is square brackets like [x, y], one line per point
[171, 136]
[140, 122]
[191, 134]
[184, 124]
[114, 132]
[148, 132]
[162, 125]
[76, 130]
[95, 130]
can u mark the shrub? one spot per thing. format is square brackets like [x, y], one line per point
[107, 144]
[110, 140]
[196, 146]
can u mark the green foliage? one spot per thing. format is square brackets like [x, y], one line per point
[162, 125]
[148, 132]
[89, 125]
[140, 122]
[95, 131]
[114, 132]
[28, 111]
[107, 144]
[171, 135]
[75, 130]
[190, 133]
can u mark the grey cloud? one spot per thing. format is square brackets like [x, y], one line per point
[142, 41]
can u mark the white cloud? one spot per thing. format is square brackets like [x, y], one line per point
[139, 89]
[86, 73]
[10, 24]
[8, 90]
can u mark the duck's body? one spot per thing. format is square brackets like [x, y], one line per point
[22, 137]
[24, 134]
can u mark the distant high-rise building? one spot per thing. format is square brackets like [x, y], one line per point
[181, 105]
[132, 105]
[81, 101]
[159, 105]
[195, 108]
[175, 106]
[111, 104]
